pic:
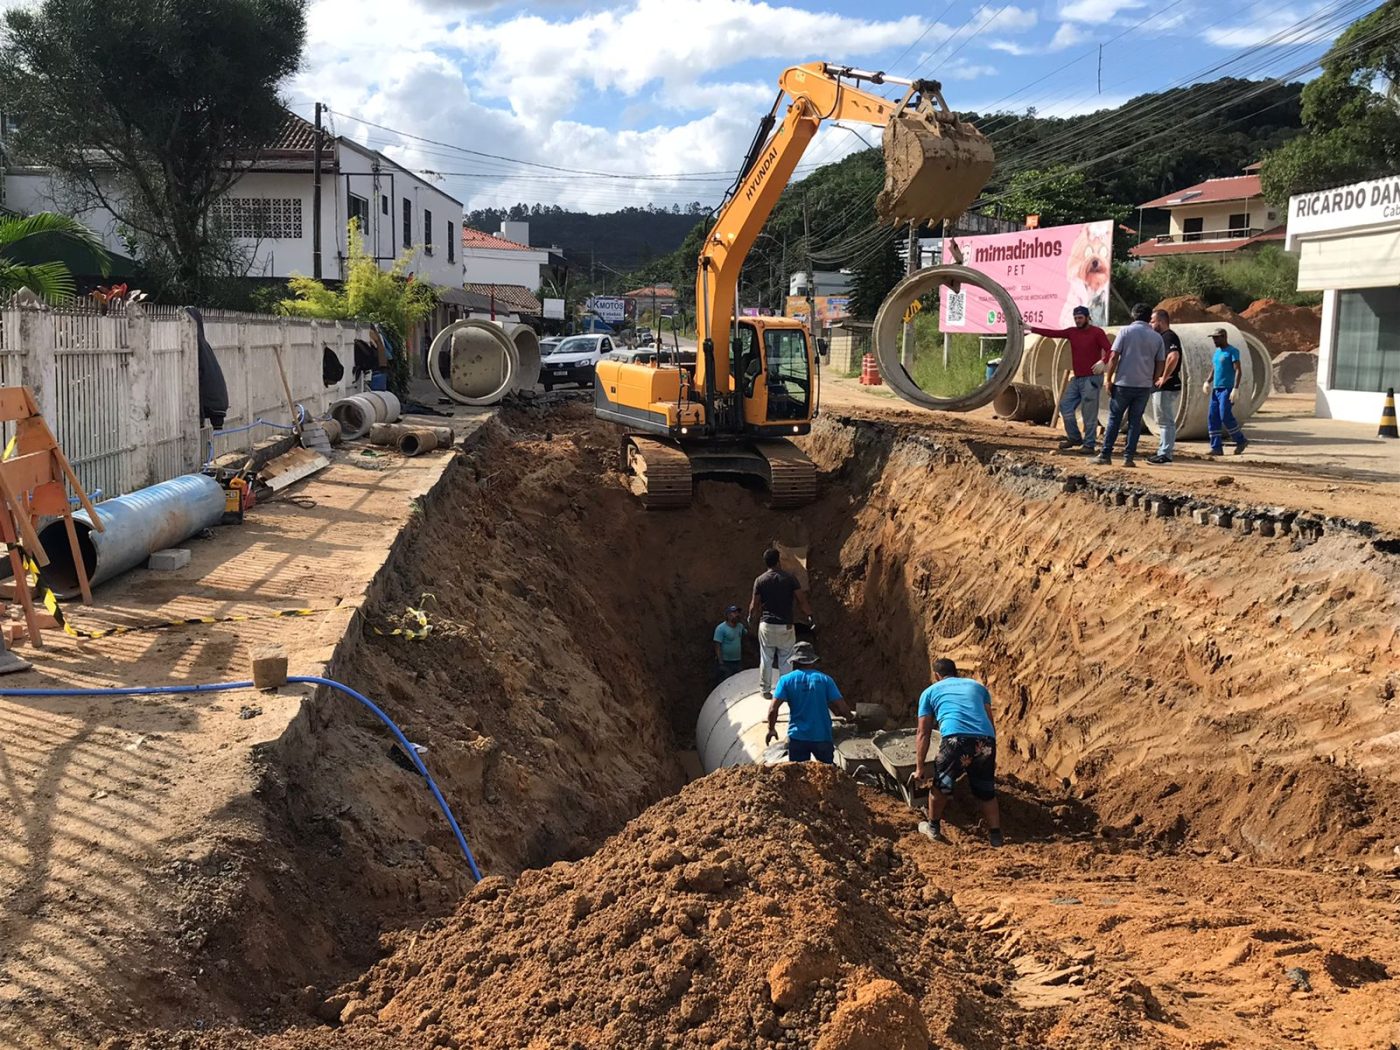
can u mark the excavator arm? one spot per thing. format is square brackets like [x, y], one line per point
[925, 145]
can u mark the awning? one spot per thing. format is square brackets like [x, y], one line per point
[1369, 260]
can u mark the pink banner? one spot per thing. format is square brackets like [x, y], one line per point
[1048, 273]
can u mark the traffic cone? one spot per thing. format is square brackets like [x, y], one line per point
[1388, 428]
[869, 371]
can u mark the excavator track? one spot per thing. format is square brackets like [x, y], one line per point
[658, 473]
[792, 477]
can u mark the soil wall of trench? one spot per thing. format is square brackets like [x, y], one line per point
[1153, 680]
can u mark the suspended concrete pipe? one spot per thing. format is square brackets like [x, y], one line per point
[475, 363]
[1025, 402]
[734, 722]
[527, 348]
[889, 333]
[357, 413]
[133, 526]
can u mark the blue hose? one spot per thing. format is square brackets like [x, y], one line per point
[223, 687]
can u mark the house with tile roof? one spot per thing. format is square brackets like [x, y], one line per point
[503, 258]
[1214, 218]
[269, 210]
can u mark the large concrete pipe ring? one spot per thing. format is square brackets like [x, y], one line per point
[1197, 368]
[133, 526]
[734, 722]
[527, 347]
[1262, 364]
[481, 360]
[356, 414]
[1025, 402]
[386, 405]
[889, 331]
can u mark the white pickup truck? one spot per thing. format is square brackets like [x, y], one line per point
[573, 360]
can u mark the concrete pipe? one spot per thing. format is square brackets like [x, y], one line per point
[1197, 368]
[527, 347]
[386, 405]
[1262, 363]
[474, 362]
[133, 526]
[332, 429]
[389, 433]
[733, 723]
[356, 414]
[888, 337]
[1025, 402]
[416, 442]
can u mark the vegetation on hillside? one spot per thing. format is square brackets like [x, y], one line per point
[619, 240]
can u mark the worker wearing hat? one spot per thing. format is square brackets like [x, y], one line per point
[811, 697]
[1221, 388]
[1088, 351]
[729, 644]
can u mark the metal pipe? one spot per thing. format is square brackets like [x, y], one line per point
[133, 526]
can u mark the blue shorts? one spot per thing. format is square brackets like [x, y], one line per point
[806, 750]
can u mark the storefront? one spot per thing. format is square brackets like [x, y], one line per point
[1348, 246]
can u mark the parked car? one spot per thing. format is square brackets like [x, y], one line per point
[548, 343]
[573, 360]
[645, 337]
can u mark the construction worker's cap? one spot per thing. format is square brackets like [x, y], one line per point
[732, 608]
[1220, 333]
[1080, 310]
[804, 653]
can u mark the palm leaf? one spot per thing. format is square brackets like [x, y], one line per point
[52, 281]
[47, 225]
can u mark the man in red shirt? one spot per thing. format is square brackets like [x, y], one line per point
[1089, 348]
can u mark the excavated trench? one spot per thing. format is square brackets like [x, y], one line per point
[1156, 684]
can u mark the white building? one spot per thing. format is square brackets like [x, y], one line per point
[505, 259]
[270, 209]
[1348, 245]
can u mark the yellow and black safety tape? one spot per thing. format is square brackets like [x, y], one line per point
[54, 609]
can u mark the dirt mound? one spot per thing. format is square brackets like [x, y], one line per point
[1187, 309]
[762, 908]
[1296, 372]
[1286, 329]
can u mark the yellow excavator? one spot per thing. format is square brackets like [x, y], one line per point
[755, 380]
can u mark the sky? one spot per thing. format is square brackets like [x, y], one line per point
[667, 93]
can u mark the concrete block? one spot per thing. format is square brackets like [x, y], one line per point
[169, 560]
[1244, 526]
[1201, 516]
[1265, 526]
[1221, 518]
[1163, 508]
[1120, 498]
[269, 668]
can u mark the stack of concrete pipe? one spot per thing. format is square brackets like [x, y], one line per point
[1045, 361]
[357, 413]
[478, 363]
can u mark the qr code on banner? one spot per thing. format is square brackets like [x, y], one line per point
[957, 309]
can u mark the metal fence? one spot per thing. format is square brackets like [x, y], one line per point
[119, 385]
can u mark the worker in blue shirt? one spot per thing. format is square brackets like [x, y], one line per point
[729, 644]
[811, 696]
[961, 710]
[1222, 388]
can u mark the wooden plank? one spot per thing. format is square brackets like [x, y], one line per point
[292, 467]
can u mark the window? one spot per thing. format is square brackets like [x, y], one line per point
[743, 363]
[1239, 225]
[1191, 229]
[785, 354]
[451, 242]
[1366, 351]
[260, 218]
[427, 232]
[384, 203]
[357, 209]
[407, 223]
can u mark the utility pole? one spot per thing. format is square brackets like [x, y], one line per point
[316, 200]
[811, 273]
[906, 357]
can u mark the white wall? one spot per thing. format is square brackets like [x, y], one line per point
[499, 266]
[29, 191]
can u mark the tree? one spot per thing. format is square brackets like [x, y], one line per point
[875, 279]
[151, 109]
[1353, 130]
[392, 299]
[44, 234]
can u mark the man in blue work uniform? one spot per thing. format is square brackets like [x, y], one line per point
[811, 696]
[961, 710]
[1222, 390]
[729, 645]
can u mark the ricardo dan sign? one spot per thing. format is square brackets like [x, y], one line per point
[1360, 206]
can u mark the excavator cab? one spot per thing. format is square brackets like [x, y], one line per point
[935, 164]
[772, 362]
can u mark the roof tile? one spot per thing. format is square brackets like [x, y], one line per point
[477, 239]
[1212, 191]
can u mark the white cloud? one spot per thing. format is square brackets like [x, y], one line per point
[961, 70]
[1275, 27]
[1011, 19]
[1097, 11]
[1067, 35]
[653, 87]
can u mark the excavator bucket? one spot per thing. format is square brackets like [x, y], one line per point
[935, 164]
